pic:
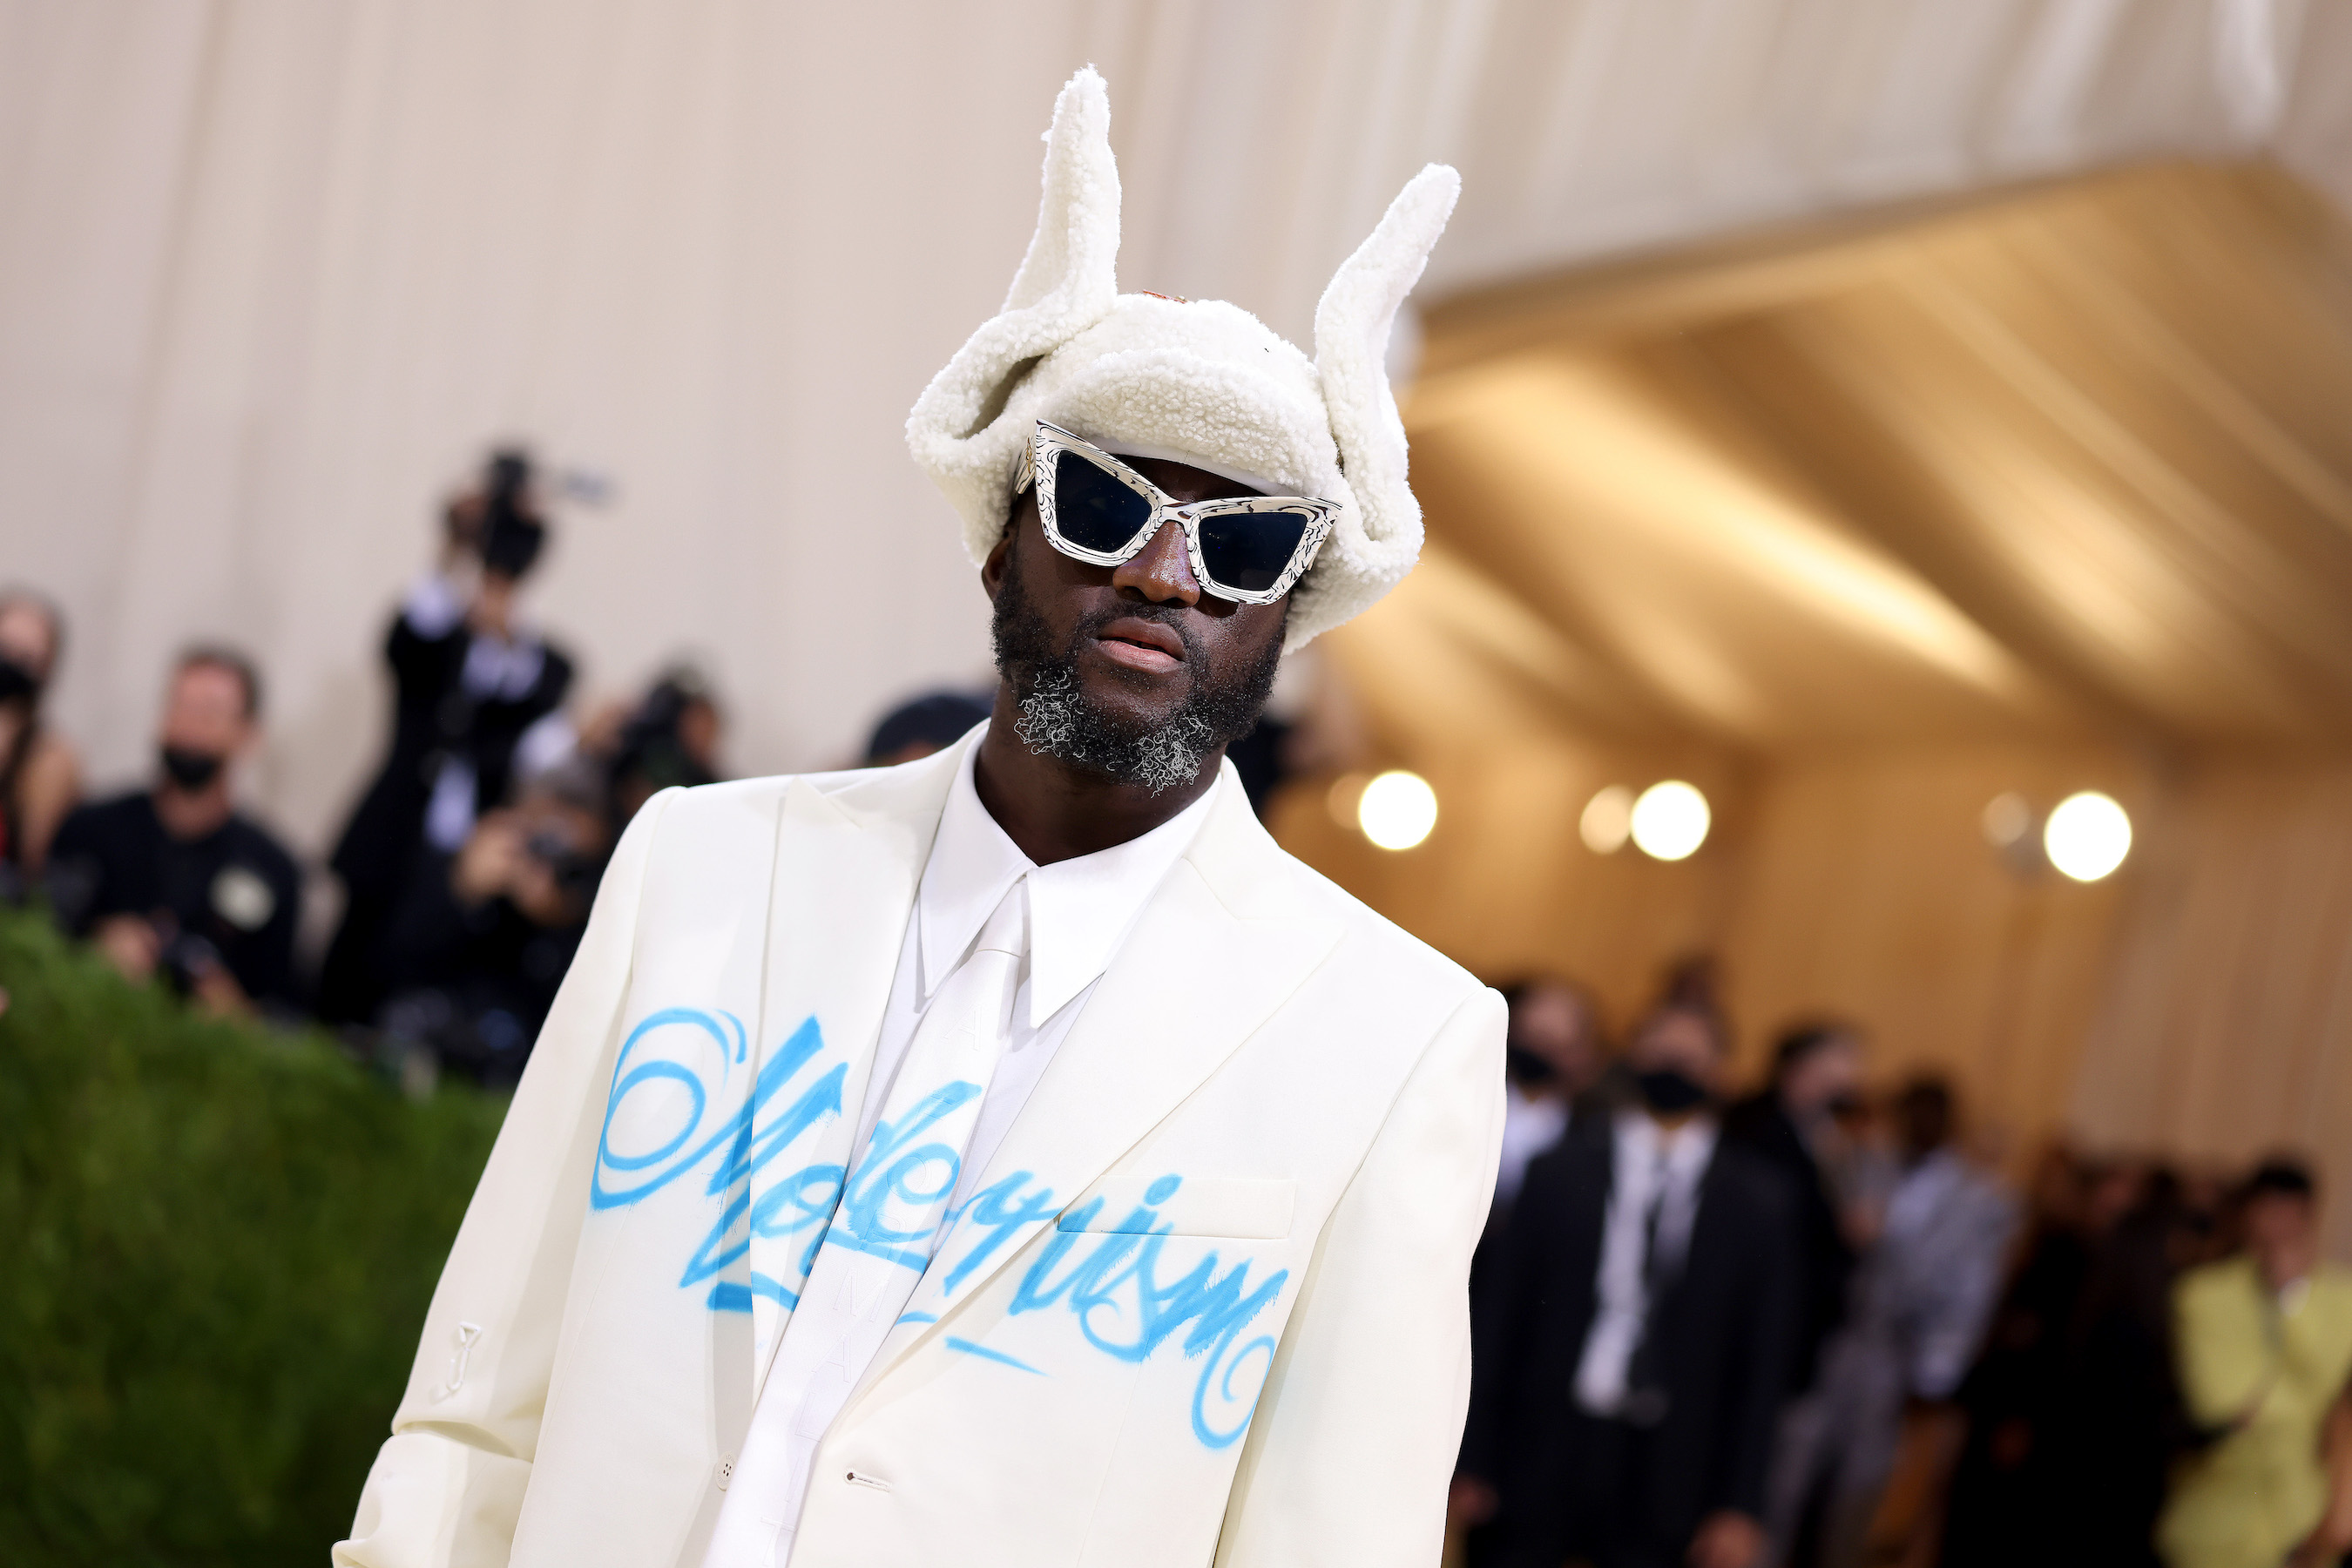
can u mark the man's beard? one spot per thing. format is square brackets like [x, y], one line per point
[1058, 719]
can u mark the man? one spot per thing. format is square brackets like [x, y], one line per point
[2264, 1341]
[475, 948]
[1922, 1296]
[1792, 1124]
[1553, 1068]
[174, 880]
[1632, 1350]
[470, 681]
[40, 777]
[1012, 1157]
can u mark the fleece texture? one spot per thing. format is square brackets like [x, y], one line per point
[1200, 379]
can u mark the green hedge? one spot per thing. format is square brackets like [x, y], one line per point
[216, 1245]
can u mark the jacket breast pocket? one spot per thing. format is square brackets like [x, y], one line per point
[1243, 1208]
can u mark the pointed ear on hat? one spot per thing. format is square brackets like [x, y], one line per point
[1068, 281]
[1351, 336]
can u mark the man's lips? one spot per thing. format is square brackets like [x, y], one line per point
[1141, 645]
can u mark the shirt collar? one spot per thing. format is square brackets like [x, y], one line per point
[1687, 1149]
[1079, 911]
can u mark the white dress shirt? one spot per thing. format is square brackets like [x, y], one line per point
[1079, 913]
[1651, 1169]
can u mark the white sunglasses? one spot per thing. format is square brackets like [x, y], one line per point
[1248, 549]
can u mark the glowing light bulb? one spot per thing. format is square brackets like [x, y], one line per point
[1670, 820]
[1608, 820]
[2087, 835]
[1397, 809]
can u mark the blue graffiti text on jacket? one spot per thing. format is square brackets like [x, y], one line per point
[668, 1060]
[678, 1060]
[1112, 1282]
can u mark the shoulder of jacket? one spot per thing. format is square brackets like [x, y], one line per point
[1370, 940]
[2211, 1284]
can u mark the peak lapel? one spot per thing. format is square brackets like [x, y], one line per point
[1208, 960]
[847, 863]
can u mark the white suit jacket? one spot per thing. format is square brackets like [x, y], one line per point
[1206, 1304]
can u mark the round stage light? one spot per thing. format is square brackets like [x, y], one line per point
[1397, 809]
[2087, 835]
[1608, 820]
[1670, 821]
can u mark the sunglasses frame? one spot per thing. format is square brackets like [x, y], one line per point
[1037, 467]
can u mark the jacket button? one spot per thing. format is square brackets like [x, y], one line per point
[726, 1471]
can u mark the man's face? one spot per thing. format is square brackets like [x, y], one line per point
[2279, 1223]
[1679, 1041]
[204, 712]
[1552, 1022]
[1829, 1073]
[1132, 671]
[27, 638]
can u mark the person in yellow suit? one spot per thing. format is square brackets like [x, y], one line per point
[2264, 1341]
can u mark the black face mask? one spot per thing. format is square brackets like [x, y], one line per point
[1670, 1092]
[17, 682]
[190, 770]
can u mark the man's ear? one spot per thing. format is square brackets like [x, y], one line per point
[1000, 561]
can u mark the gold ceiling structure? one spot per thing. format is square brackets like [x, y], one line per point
[1858, 529]
[2074, 461]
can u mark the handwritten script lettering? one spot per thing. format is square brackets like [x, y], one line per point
[669, 1119]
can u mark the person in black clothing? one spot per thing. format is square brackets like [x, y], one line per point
[1816, 1074]
[1629, 1355]
[172, 880]
[476, 946]
[470, 683]
[40, 777]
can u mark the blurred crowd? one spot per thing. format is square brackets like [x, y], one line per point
[1808, 1326]
[465, 870]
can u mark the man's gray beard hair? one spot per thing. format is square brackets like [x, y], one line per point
[1057, 721]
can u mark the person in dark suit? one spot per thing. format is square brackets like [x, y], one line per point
[1631, 1355]
[471, 682]
[1789, 1124]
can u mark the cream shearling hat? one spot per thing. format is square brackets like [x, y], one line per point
[1200, 380]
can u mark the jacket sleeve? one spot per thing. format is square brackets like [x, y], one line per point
[446, 1491]
[1354, 1440]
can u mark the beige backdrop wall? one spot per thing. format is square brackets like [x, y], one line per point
[272, 271]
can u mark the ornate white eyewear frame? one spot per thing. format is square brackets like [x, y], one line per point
[1037, 467]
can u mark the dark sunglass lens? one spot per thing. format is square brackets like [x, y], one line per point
[1092, 510]
[1247, 551]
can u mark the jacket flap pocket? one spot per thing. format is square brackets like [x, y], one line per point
[1244, 1208]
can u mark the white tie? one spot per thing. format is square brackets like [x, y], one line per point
[883, 1233]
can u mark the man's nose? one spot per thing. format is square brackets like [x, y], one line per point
[1161, 571]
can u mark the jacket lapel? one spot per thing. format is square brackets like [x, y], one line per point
[1222, 944]
[847, 864]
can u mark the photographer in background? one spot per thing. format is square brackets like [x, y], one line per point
[473, 950]
[670, 737]
[40, 778]
[174, 880]
[473, 687]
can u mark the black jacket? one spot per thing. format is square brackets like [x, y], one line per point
[433, 716]
[1723, 1333]
[1762, 1126]
[378, 857]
